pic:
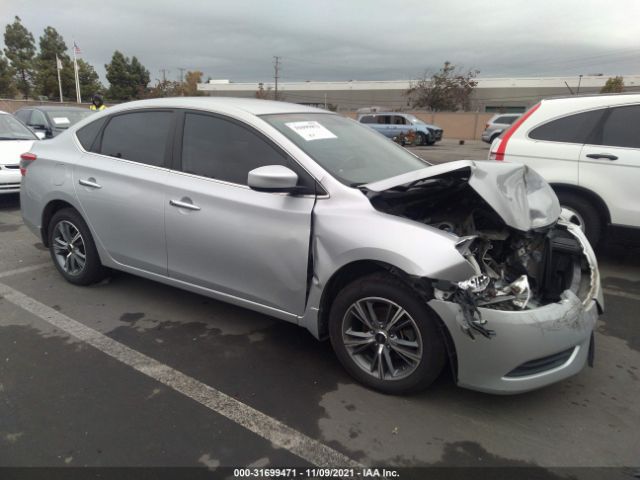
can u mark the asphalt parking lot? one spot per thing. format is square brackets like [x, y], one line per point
[130, 372]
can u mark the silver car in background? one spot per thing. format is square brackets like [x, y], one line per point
[313, 218]
[498, 124]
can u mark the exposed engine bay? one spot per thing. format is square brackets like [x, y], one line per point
[514, 270]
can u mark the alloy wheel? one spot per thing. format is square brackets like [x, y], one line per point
[69, 248]
[382, 338]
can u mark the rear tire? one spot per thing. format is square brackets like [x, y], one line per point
[411, 349]
[73, 250]
[585, 215]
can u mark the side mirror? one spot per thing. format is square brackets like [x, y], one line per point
[40, 135]
[273, 178]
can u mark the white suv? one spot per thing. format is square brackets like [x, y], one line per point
[588, 149]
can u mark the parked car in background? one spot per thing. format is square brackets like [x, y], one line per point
[498, 124]
[396, 124]
[51, 120]
[588, 149]
[310, 217]
[15, 139]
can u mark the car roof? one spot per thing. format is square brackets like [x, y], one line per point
[386, 113]
[51, 108]
[594, 100]
[252, 106]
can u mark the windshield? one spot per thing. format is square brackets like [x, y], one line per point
[12, 129]
[65, 118]
[353, 153]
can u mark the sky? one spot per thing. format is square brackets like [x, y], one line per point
[348, 39]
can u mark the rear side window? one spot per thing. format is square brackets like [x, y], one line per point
[622, 127]
[23, 116]
[508, 120]
[87, 135]
[571, 129]
[139, 136]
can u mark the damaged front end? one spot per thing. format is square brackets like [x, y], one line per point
[526, 260]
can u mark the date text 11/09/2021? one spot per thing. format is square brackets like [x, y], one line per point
[315, 473]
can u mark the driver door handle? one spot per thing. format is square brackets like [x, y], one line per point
[608, 156]
[90, 182]
[182, 204]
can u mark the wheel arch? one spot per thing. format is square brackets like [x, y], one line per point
[595, 199]
[360, 268]
[47, 214]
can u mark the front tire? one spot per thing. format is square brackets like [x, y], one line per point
[385, 336]
[421, 139]
[584, 214]
[73, 250]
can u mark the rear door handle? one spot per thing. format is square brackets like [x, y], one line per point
[608, 156]
[90, 182]
[184, 204]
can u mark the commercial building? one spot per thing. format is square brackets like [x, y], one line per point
[490, 95]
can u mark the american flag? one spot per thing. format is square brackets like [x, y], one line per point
[76, 49]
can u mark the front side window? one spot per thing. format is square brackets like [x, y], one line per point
[577, 128]
[398, 120]
[217, 148]
[353, 153]
[622, 127]
[138, 136]
[37, 119]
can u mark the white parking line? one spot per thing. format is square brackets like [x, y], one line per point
[30, 268]
[279, 434]
[620, 293]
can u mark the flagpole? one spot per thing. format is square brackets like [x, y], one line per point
[58, 65]
[75, 67]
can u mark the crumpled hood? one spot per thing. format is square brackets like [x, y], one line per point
[522, 198]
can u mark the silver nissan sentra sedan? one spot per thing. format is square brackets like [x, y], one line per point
[310, 217]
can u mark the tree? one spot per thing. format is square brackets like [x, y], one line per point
[261, 93]
[448, 89]
[191, 81]
[128, 78]
[46, 72]
[164, 88]
[613, 85]
[7, 84]
[139, 76]
[20, 49]
[89, 80]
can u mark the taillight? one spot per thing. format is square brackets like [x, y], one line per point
[487, 126]
[501, 148]
[25, 161]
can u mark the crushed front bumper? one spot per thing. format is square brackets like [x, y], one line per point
[531, 348]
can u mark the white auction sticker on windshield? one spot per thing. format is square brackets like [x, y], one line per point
[61, 120]
[310, 130]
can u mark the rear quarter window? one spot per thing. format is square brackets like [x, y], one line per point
[87, 135]
[576, 128]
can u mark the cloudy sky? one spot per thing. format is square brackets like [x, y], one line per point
[347, 39]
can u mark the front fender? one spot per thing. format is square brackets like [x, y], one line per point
[344, 236]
